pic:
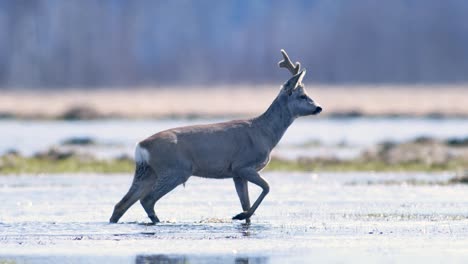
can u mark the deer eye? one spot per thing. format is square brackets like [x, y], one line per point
[303, 97]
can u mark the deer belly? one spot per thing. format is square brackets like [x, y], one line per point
[263, 164]
[213, 168]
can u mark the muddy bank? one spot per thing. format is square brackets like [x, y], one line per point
[420, 154]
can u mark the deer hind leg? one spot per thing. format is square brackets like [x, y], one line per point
[243, 193]
[166, 182]
[139, 188]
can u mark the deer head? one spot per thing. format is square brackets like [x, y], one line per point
[297, 100]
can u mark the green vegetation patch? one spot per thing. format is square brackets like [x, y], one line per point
[14, 164]
[34, 165]
[362, 165]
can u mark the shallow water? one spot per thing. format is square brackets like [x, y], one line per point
[327, 217]
[120, 136]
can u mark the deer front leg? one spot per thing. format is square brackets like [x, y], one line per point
[243, 193]
[252, 176]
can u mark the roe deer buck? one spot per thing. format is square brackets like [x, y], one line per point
[236, 149]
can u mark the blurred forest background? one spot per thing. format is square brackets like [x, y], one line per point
[114, 43]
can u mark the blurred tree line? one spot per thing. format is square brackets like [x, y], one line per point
[88, 43]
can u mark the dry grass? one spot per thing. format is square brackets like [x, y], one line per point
[236, 100]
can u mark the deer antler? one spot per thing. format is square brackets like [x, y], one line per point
[286, 63]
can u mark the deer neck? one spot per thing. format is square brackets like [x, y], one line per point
[274, 122]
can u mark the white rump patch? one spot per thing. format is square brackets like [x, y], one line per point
[141, 154]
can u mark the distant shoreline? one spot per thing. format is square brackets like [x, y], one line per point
[234, 101]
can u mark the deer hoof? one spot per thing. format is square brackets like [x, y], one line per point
[241, 216]
[154, 219]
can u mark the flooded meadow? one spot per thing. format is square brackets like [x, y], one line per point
[331, 217]
[307, 216]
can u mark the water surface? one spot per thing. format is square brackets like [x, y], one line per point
[120, 136]
[328, 217]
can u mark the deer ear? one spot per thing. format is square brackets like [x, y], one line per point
[292, 83]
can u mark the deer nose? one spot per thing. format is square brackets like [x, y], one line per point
[318, 109]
